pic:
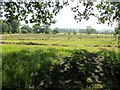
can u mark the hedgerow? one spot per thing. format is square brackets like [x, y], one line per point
[44, 69]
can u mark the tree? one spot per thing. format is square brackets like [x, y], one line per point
[36, 28]
[47, 30]
[10, 26]
[24, 31]
[41, 12]
[108, 12]
[0, 26]
[26, 27]
[94, 31]
[90, 30]
[56, 30]
[44, 11]
[117, 30]
[74, 32]
[15, 24]
[41, 29]
[117, 33]
[5, 27]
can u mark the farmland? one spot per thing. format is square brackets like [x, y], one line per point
[59, 41]
[39, 61]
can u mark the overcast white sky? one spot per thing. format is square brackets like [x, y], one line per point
[65, 19]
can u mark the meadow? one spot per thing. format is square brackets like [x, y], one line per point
[51, 61]
[60, 41]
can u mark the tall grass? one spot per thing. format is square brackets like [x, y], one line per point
[46, 69]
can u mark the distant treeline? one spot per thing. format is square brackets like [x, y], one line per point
[13, 26]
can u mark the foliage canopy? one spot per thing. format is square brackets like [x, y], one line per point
[43, 11]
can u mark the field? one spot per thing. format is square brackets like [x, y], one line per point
[81, 41]
[39, 61]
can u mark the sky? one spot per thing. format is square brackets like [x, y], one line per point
[65, 19]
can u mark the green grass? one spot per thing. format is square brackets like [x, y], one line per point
[16, 42]
[46, 68]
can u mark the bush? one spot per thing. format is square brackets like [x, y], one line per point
[25, 67]
[108, 46]
[96, 45]
[41, 69]
[68, 33]
[55, 31]
[24, 31]
[74, 33]
[47, 32]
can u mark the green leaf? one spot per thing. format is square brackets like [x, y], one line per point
[26, 21]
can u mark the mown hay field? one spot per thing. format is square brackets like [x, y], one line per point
[60, 41]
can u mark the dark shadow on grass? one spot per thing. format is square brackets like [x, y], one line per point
[44, 69]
